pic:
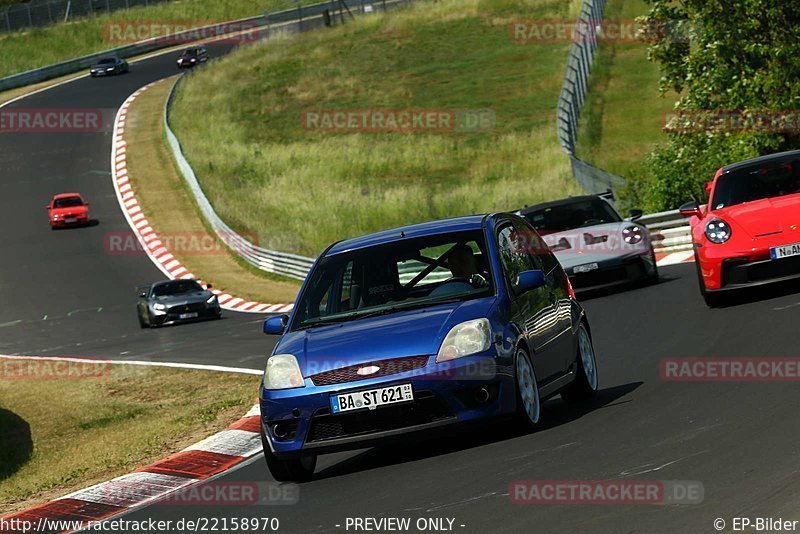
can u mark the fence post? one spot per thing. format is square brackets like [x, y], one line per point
[299, 16]
[30, 17]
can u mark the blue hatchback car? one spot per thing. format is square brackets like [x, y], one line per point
[408, 330]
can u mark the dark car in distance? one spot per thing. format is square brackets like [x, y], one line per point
[109, 66]
[175, 301]
[192, 57]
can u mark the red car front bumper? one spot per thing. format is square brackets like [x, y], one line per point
[724, 267]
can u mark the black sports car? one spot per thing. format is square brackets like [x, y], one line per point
[175, 301]
[192, 57]
[108, 66]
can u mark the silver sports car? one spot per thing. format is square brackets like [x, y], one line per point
[175, 301]
[596, 246]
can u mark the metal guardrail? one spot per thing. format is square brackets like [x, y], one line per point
[291, 265]
[669, 231]
[573, 96]
[307, 16]
[135, 49]
[43, 13]
[272, 261]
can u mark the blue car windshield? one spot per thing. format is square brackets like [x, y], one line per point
[394, 277]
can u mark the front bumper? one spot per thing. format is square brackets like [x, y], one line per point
[739, 273]
[62, 222]
[174, 313]
[299, 421]
[615, 271]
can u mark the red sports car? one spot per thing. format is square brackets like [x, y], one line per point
[67, 209]
[749, 233]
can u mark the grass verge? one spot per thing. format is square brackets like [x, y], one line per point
[62, 435]
[172, 212]
[624, 113]
[304, 189]
[39, 47]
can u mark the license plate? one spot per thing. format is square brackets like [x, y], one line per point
[786, 251]
[371, 399]
[585, 268]
[70, 220]
[187, 316]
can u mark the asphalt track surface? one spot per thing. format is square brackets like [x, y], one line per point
[66, 293]
[740, 440]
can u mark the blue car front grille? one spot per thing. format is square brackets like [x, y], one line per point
[388, 367]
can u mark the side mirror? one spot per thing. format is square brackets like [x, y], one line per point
[47, 206]
[635, 215]
[690, 209]
[85, 203]
[209, 286]
[274, 326]
[709, 186]
[528, 280]
[143, 295]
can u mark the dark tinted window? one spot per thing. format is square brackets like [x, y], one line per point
[756, 182]
[176, 287]
[514, 253]
[576, 214]
[69, 202]
[107, 61]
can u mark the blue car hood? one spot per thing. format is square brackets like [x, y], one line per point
[411, 333]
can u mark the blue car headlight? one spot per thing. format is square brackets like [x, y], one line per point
[465, 339]
[283, 372]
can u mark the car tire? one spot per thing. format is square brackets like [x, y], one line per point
[654, 278]
[529, 403]
[291, 469]
[142, 323]
[586, 381]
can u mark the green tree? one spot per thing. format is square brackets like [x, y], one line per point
[720, 55]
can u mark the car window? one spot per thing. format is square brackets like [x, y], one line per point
[535, 246]
[69, 202]
[395, 276]
[176, 287]
[576, 214]
[756, 182]
[514, 253]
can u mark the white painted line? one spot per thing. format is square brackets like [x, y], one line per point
[139, 363]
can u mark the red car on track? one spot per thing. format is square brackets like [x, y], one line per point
[67, 209]
[749, 233]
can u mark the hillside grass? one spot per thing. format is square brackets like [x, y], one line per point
[39, 47]
[171, 210]
[99, 428]
[624, 113]
[240, 123]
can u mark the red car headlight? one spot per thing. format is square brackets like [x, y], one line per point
[718, 231]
